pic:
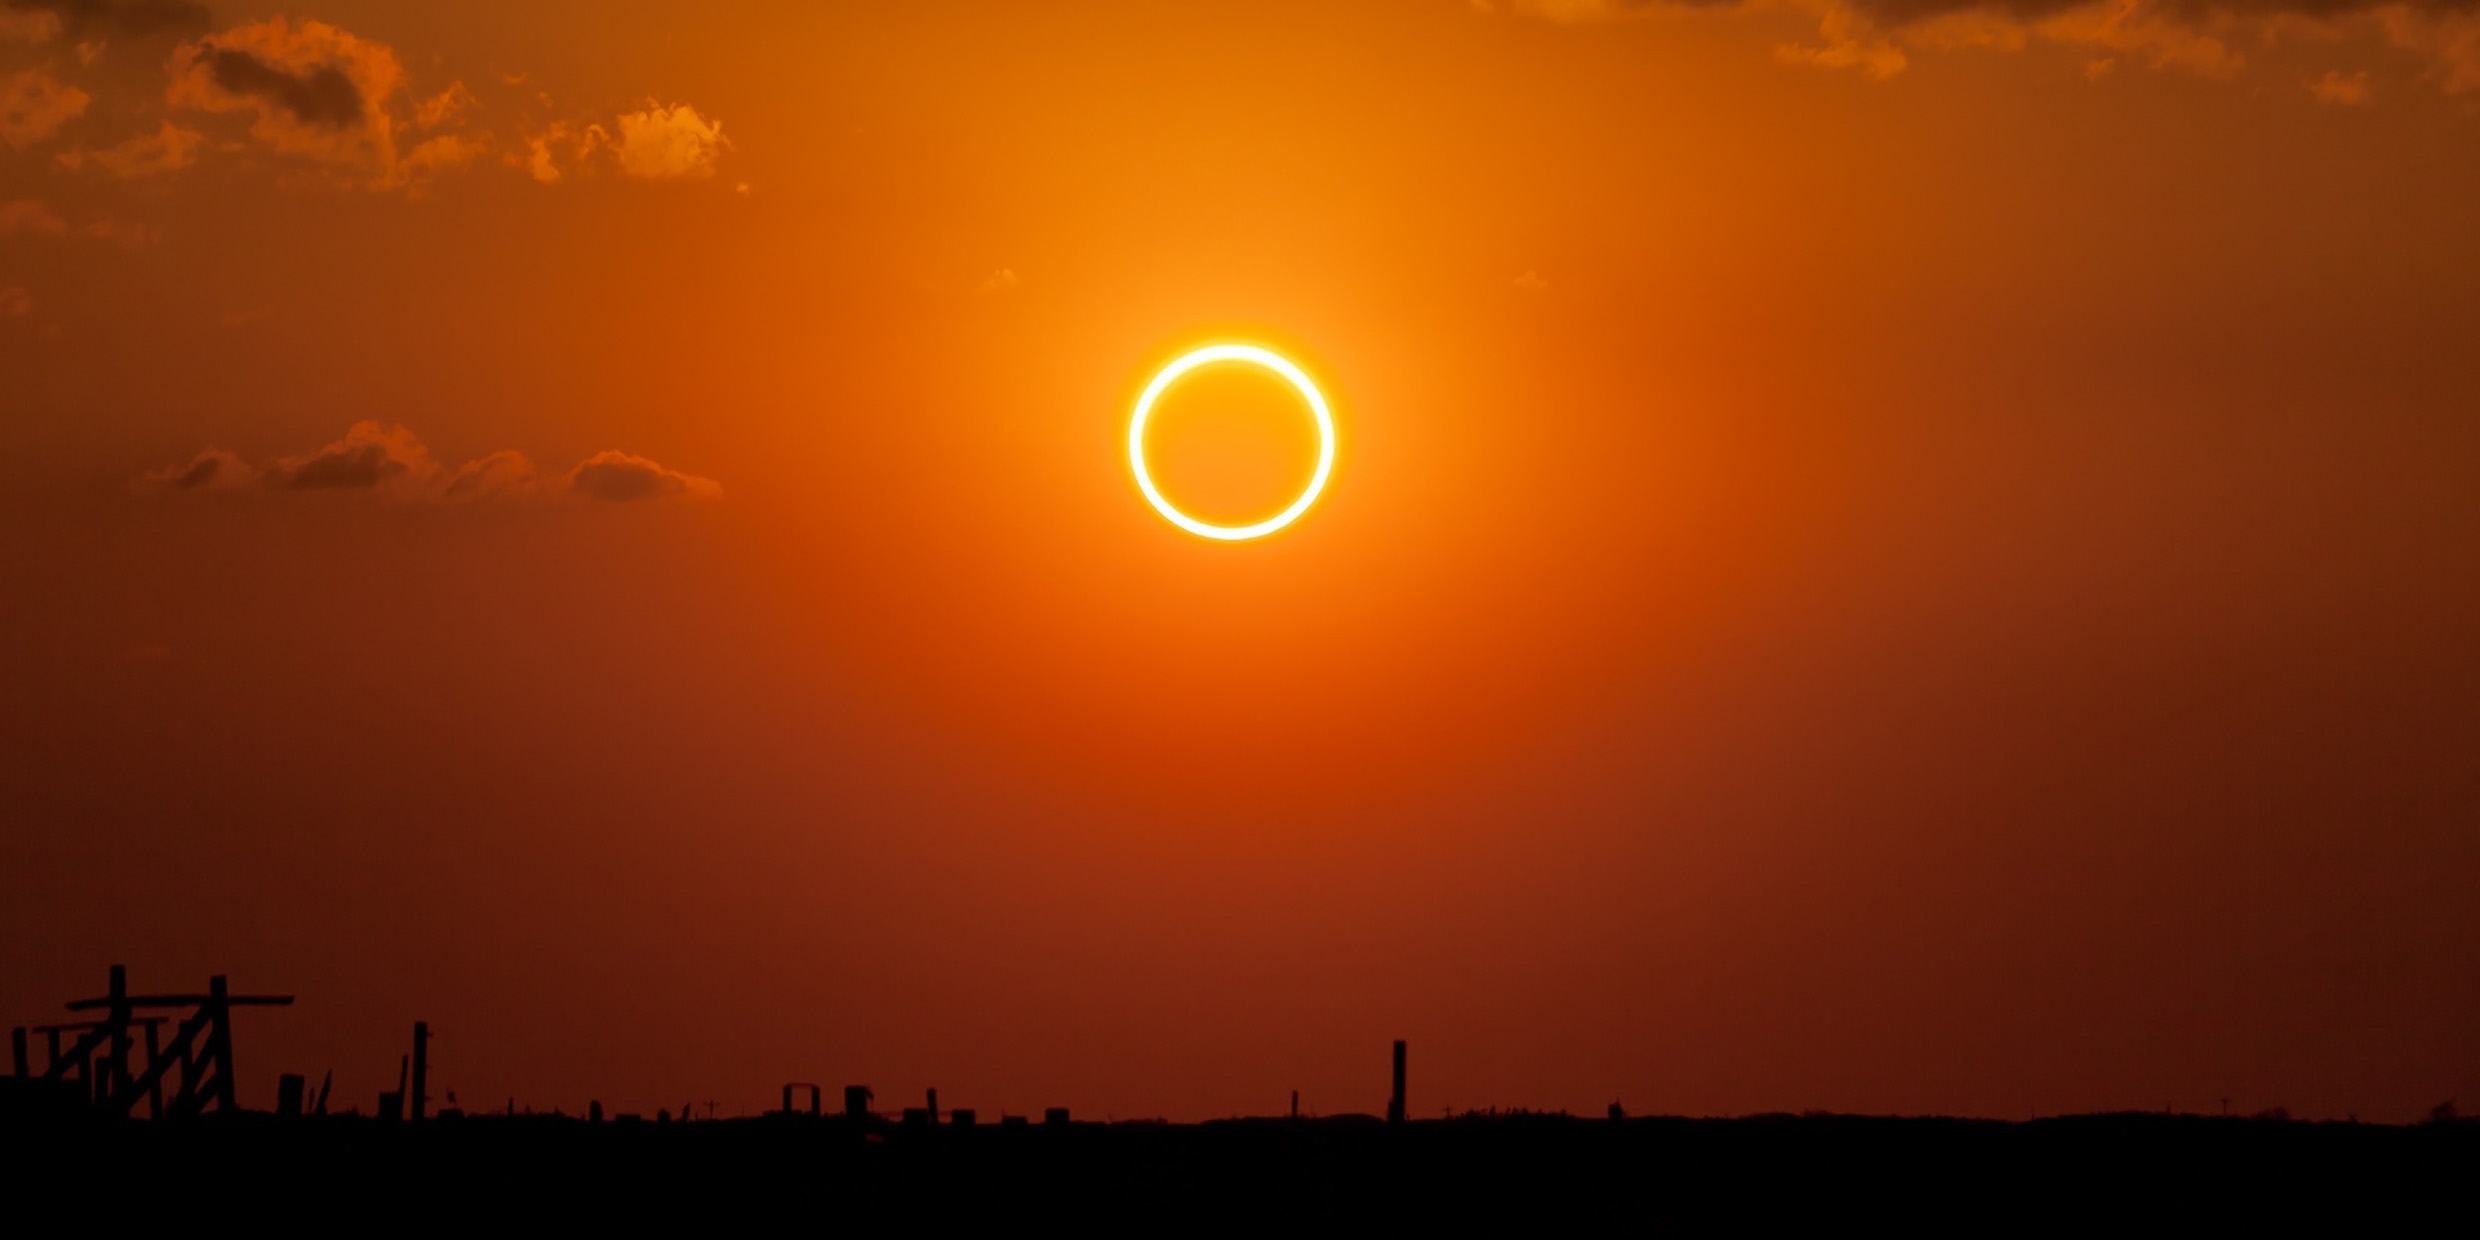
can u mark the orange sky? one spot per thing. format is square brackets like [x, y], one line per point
[1899, 556]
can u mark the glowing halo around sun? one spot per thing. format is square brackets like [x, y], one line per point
[1254, 356]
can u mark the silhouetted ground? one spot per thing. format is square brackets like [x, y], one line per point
[1651, 1174]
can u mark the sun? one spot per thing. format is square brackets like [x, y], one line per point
[1247, 354]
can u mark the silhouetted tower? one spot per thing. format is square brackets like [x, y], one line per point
[1395, 1105]
[415, 1097]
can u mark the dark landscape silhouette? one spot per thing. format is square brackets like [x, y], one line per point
[114, 1109]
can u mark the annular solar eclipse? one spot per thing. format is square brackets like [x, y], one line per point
[1243, 354]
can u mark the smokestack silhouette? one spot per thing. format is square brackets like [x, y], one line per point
[416, 1100]
[1395, 1106]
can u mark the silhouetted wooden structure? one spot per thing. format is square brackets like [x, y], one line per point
[800, 1085]
[199, 1058]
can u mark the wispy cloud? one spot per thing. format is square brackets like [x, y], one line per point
[2205, 37]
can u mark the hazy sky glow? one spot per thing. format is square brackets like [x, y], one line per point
[1896, 556]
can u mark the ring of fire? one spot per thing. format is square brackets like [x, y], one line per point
[1254, 356]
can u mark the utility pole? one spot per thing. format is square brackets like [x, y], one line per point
[1395, 1107]
[416, 1096]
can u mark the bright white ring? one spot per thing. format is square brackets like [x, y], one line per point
[1256, 357]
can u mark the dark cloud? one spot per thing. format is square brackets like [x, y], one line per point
[1894, 13]
[619, 477]
[119, 19]
[213, 469]
[383, 459]
[322, 96]
[1907, 12]
[199, 473]
[353, 467]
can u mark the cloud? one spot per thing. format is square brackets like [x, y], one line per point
[443, 107]
[168, 149]
[540, 161]
[371, 456]
[387, 460]
[213, 469]
[32, 218]
[26, 215]
[659, 143]
[433, 155]
[109, 19]
[34, 105]
[2448, 37]
[20, 24]
[663, 143]
[1847, 42]
[505, 474]
[311, 90]
[2196, 36]
[2338, 88]
[324, 98]
[619, 477]
[318, 95]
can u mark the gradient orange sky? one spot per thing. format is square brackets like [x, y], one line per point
[1894, 556]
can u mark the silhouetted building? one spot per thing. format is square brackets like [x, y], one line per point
[857, 1102]
[1055, 1115]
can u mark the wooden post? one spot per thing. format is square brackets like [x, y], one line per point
[116, 1021]
[219, 1046]
[1395, 1107]
[154, 1079]
[416, 1101]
